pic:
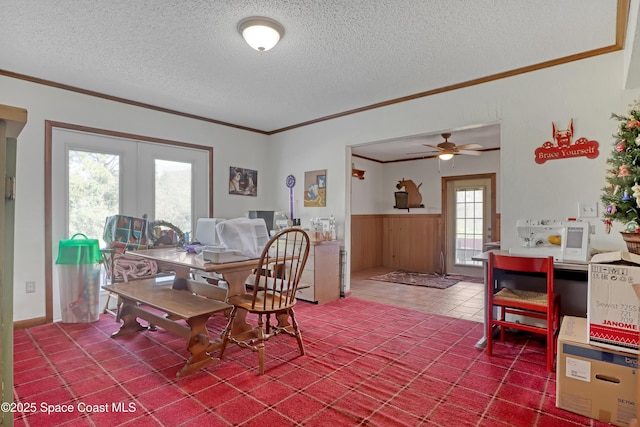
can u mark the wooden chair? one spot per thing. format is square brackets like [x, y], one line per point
[273, 292]
[503, 269]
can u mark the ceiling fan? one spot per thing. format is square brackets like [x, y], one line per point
[448, 149]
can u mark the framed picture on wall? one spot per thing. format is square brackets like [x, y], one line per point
[243, 182]
[315, 188]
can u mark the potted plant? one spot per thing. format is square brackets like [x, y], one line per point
[621, 195]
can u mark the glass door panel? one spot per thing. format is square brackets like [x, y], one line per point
[173, 190]
[94, 191]
[469, 225]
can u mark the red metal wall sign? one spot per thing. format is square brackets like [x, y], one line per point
[563, 148]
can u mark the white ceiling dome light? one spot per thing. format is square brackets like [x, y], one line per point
[261, 33]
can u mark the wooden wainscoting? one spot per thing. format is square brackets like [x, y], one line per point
[366, 241]
[410, 242]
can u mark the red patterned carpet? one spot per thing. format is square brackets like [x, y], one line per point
[366, 364]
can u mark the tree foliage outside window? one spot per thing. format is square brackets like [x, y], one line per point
[93, 191]
[173, 193]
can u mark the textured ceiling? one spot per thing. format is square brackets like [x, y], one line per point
[336, 55]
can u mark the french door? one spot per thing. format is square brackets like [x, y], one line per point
[98, 175]
[469, 215]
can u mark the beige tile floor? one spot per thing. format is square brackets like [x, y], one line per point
[463, 300]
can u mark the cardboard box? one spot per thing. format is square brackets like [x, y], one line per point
[593, 381]
[634, 422]
[613, 309]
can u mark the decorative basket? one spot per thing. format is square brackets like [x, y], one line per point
[402, 200]
[633, 241]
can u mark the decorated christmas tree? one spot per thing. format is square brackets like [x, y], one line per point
[621, 195]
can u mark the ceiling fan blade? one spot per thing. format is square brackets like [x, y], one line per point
[423, 152]
[469, 147]
[433, 146]
[469, 152]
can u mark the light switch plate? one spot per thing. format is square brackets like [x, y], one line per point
[587, 210]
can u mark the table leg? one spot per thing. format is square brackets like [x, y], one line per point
[129, 320]
[198, 345]
[236, 281]
[482, 342]
[180, 280]
[240, 329]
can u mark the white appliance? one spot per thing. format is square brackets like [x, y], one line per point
[206, 233]
[246, 236]
[566, 241]
[221, 255]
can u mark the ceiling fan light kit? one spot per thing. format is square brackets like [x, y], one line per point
[448, 149]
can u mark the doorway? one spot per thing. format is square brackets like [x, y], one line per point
[469, 215]
[94, 173]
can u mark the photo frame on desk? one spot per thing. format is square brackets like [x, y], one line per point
[243, 182]
[315, 188]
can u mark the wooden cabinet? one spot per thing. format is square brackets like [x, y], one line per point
[322, 273]
[12, 120]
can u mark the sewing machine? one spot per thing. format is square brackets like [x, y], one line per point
[566, 241]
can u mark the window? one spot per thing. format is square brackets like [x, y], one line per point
[95, 174]
[94, 180]
[173, 193]
[469, 224]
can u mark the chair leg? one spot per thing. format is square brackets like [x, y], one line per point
[260, 345]
[503, 317]
[296, 330]
[268, 326]
[550, 341]
[227, 332]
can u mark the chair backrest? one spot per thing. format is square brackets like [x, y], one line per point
[519, 264]
[280, 269]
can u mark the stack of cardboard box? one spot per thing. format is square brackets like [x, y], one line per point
[597, 369]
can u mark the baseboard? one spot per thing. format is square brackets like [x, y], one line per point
[29, 323]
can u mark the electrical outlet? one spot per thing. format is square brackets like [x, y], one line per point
[30, 287]
[587, 210]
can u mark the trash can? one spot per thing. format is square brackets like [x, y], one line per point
[79, 279]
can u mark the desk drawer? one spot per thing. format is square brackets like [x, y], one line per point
[306, 294]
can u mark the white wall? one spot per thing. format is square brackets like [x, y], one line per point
[378, 197]
[369, 196]
[587, 91]
[232, 147]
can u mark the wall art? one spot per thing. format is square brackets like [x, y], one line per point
[315, 188]
[243, 181]
[564, 148]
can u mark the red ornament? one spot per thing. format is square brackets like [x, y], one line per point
[620, 147]
[633, 123]
[624, 170]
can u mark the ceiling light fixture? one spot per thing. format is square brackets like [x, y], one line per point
[261, 33]
[445, 156]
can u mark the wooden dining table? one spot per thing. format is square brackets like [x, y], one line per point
[234, 273]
